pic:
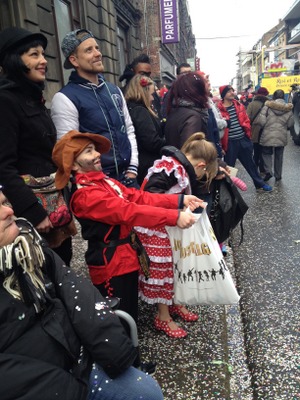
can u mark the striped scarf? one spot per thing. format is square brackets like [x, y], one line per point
[21, 263]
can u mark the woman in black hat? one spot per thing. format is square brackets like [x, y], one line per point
[27, 134]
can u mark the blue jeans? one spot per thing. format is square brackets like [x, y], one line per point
[242, 149]
[130, 385]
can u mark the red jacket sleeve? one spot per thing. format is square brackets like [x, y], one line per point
[243, 118]
[134, 208]
[151, 199]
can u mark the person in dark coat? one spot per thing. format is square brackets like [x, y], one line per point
[141, 65]
[27, 133]
[187, 111]
[253, 111]
[54, 325]
[182, 69]
[149, 136]
[275, 119]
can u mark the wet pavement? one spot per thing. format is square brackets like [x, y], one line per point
[249, 351]
[267, 267]
[209, 363]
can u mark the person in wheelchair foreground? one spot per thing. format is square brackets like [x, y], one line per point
[54, 325]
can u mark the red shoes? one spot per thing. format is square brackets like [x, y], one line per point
[165, 327]
[187, 316]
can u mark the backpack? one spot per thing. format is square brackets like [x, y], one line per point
[228, 209]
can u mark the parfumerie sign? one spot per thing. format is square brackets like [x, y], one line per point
[169, 21]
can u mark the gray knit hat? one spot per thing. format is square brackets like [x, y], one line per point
[71, 42]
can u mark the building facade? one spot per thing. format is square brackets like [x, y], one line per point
[275, 55]
[123, 28]
[165, 57]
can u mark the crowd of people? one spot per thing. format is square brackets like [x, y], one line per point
[129, 161]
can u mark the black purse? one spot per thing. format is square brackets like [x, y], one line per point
[228, 209]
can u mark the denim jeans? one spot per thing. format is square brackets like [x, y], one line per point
[257, 157]
[130, 385]
[242, 149]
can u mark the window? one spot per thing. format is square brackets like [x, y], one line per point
[122, 49]
[63, 25]
[6, 15]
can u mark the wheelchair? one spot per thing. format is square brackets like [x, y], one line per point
[113, 303]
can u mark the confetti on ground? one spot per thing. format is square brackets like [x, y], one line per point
[249, 351]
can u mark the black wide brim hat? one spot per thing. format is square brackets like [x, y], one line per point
[12, 38]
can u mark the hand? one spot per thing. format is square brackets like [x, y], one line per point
[193, 202]
[130, 181]
[44, 226]
[130, 175]
[185, 220]
[222, 172]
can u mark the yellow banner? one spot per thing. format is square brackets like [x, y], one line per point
[281, 82]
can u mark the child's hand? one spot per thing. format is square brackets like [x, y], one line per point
[222, 172]
[185, 220]
[193, 202]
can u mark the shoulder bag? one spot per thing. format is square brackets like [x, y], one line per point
[54, 203]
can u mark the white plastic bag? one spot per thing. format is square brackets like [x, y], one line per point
[201, 275]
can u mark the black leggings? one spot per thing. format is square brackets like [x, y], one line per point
[126, 288]
[65, 251]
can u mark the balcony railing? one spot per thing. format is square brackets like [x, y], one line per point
[295, 34]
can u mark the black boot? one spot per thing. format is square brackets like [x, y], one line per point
[268, 177]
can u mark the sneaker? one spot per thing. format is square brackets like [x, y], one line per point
[266, 188]
[224, 250]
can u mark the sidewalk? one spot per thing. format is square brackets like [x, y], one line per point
[208, 364]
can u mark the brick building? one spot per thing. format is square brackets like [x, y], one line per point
[123, 28]
[165, 57]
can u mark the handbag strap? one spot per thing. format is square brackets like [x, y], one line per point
[136, 244]
[256, 114]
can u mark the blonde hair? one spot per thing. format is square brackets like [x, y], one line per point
[199, 148]
[138, 91]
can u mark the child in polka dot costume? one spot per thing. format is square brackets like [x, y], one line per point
[177, 172]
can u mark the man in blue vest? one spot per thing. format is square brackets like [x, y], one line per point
[90, 104]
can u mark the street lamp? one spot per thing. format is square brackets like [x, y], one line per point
[263, 58]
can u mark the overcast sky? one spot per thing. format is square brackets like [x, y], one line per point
[242, 23]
